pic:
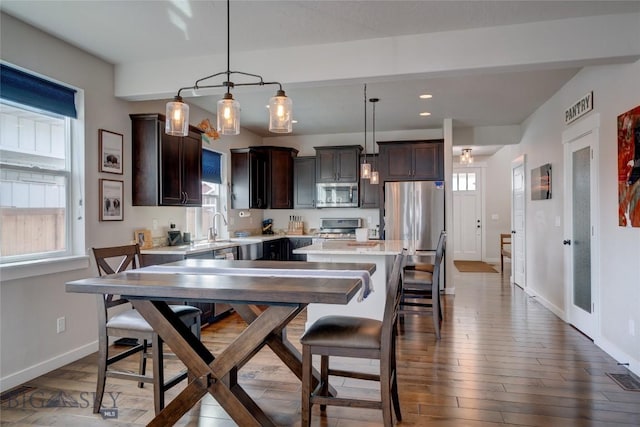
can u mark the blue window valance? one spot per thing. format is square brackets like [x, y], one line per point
[27, 89]
[211, 167]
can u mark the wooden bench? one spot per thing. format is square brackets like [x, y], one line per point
[505, 249]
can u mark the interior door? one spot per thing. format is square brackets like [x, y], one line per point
[580, 245]
[467, 214]
[518, 222]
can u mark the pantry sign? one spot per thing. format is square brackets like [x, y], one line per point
[579, 108]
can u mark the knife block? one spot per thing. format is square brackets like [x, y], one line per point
[296, 228]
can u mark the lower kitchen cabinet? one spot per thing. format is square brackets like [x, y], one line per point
[295, 243]
[275, 250]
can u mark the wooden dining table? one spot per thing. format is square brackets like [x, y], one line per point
[267, 303]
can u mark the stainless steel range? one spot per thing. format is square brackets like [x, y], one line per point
[338, 228]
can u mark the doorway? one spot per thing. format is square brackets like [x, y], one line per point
[581, 202]
[518, 230]
[467, 213]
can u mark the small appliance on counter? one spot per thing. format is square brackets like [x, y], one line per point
[267, 226]
[175, 236]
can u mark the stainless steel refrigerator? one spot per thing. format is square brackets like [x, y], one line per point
[414, 211]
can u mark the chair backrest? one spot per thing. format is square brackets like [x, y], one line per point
[394, 291]
[442, 243]
[505, 239]
[127, 256]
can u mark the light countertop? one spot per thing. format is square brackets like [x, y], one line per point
[350, 247]
[199, 247]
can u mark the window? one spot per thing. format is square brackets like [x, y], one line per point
[464, 181]
[199, 220]
[36, 127]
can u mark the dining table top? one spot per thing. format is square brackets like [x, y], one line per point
[214, 280]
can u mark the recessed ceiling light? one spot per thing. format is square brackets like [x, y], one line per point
[426, 96]
[294, 121]
[425, 113]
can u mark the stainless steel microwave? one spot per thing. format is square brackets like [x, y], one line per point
[337, 195]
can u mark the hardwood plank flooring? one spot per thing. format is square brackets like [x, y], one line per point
[503, 360]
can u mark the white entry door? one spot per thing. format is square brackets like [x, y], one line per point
[580, 240]
[467, 214]
[518, 223]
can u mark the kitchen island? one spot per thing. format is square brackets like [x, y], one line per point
[379, 252]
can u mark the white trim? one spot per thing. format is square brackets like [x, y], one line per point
[620, 356]
[46, 366]
[41, 267]
[517, 162]
[546, 304]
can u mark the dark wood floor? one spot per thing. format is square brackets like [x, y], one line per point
[503, 359]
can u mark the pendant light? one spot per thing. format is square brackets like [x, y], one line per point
[228, 115]
[365, 167]
[375, 176]
[465, 157]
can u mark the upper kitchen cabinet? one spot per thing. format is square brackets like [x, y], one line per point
[370, 193]
[304, 183]
[262, 177]
[337, 164]
[248, 179]
[412, 160]
[167, 170]
[280, 170]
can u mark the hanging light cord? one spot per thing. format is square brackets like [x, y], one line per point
[228, 83]
[365, 123]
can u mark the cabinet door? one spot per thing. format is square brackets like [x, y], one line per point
[257, 180]
[428, 161]
[304, 188]
[396, 161]
[192, 169]
[240, 180]
[369, 193]
[347, 164]
[170, 170]
[325, 166]
[281, 167]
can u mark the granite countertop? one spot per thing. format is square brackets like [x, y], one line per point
[350, 247]
[205, 246]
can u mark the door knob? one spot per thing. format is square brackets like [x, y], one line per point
[513, 231]
[566, 242]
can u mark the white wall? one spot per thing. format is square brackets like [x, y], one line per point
[616, 90]
[497, 201]
[29, 345]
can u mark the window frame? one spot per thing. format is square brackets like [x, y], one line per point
[73, 257]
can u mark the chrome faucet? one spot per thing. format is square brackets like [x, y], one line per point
[213, 231]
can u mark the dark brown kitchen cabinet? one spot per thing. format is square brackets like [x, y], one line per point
[412, 160]
[280, 172]
[248, 179]
[304, 183]
[167, 170]
[262, 177]
[337, 163]
[370, 193]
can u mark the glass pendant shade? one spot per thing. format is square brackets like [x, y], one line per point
[280, 107]
[177, 118]
[365, 170]
[228, 115]
[375, 177]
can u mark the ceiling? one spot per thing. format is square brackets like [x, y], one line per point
[123, 32]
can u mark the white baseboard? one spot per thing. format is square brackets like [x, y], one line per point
[619, 355]
[548, 305]
[21, 377]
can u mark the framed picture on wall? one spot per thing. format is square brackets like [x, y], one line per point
[541, 182]
[111, 198]
[110, 151]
